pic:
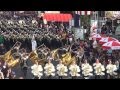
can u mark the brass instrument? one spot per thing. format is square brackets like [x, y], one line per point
[67, 59]
[9, 59]
[33, 56]
[12, 63]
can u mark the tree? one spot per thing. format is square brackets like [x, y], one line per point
[85, 20]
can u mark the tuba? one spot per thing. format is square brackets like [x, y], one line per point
[9, 58]
[33, 56]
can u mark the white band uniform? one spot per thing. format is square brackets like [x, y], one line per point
[49, 69]
[99, 69]
[37, 70]
[111, 69]
[87, 69]
[74, 70]
[61, 70]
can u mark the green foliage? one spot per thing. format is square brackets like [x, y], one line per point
[85, 20]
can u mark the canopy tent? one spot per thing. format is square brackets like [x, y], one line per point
[57, 17]
[114, 45]
[106, 39]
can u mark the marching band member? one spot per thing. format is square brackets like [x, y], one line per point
[37, 70]
[24, 64]
[99, 69]
[86, 69]
[1, 75]
[62, 69]
[49, 69]
[74, 70]
[111, 69]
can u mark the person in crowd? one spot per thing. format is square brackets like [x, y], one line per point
[24, 64]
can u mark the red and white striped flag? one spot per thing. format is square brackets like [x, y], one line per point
[83, 12]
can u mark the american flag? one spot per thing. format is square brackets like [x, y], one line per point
[83, 12]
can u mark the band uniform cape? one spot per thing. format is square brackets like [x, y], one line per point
[49, 69]
[111, 69]
[87, 69]
[99, 69]
[37, 70]
[62, 70]
[74, 70]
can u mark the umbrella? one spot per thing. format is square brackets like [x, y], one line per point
[114, 45]
[96, 36]
[106, 39]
